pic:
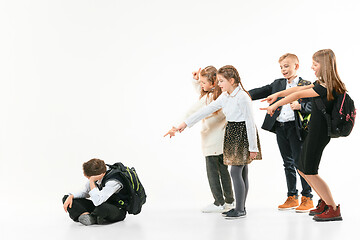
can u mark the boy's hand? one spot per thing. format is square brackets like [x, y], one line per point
[253, 155]
[68, 202]
[295, 105]
[196, 75]
[96, 177]
[181, 127]
[171, 132]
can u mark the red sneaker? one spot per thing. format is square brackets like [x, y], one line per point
[329, 215]
[320, 208]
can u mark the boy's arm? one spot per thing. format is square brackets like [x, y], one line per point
[95, 178]
[305, 103]
[84, 193]
[100, 196]
[261, 92]
[68, 202]
[81, 194]
[305, 107]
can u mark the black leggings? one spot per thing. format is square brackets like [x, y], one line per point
[239, 175]
[107, 211]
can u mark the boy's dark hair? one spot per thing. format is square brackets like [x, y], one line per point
[94, 167]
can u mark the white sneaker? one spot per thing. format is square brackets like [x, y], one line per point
[212, 208]
[229, 206]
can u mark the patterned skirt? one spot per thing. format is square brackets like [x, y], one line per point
[236, 145]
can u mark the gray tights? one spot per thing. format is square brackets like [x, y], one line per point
[239, 175]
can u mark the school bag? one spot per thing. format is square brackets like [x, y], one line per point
[137, 195]
[342, 118]
[304, 121]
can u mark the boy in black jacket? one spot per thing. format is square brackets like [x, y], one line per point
[289, 134]
[105, 191]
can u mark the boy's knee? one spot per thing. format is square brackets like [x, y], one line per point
[122, 215]
[64, 198]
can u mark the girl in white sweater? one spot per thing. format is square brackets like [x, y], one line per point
[212, 135]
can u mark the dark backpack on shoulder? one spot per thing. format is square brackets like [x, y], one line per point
[342, 118]
[303, 119]
[137, 195]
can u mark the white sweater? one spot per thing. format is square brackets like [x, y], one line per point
[237, 107]
[213, 127]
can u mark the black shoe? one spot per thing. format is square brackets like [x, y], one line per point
[235, 214]
[224, 213]
[100, 220]
[87, 219]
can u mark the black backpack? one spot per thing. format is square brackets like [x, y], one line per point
[342, 118]
[137, 195]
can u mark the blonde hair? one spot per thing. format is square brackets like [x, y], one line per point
[229, 72]
[289, 55]
[210, 74]
[328, 72]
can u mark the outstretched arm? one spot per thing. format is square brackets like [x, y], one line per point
[202, 113]
[272, 98]
[295, 95]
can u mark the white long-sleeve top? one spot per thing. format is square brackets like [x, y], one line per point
[237, 107]
[213, 127]
[286, 113]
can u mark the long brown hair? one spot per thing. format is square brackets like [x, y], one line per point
[328, 72]
[229, 72]
[210, 74]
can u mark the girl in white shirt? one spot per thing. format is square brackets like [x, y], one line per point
[212, 136]
[241, 141]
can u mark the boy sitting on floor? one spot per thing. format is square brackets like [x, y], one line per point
[105, 192]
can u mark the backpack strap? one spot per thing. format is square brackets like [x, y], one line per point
[117, 165]
[321, 106]
[342, 103]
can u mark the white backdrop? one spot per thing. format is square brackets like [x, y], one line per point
[106, 79]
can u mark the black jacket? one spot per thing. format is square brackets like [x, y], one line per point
[120, 198]
[277, 86]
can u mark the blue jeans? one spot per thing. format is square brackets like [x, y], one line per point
[290, 149]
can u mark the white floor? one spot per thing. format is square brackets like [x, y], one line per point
[260, 223]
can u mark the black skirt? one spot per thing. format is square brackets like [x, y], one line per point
[236, 145]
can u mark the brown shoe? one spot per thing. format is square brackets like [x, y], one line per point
[320, 208]
[290, 203]
[305, 205]
[329, 215]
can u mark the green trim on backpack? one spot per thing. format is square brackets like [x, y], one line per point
[305, 121]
